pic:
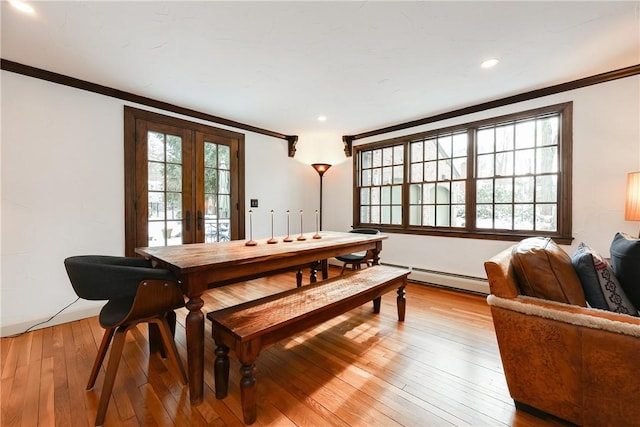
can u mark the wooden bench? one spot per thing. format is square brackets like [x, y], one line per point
[254, 325]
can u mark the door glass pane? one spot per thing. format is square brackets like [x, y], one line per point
[217, 188]
[164, 185]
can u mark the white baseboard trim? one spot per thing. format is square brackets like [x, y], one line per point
[64, 317]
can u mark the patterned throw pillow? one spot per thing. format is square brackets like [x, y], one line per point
[601, 287]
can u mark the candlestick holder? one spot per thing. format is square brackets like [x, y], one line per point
[288, 238]
[301, 236]
[317, 235]
[251, 242]
[272, 240]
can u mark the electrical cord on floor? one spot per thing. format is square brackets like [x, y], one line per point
[45, 321]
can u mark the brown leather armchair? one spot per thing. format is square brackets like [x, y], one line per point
[577, 363]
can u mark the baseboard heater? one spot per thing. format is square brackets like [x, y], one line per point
[478, 285]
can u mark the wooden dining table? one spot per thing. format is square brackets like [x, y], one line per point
[202, 266]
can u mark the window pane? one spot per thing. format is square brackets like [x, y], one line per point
[460, 145]
[547, 189]
[224, 202]
[377, 158]
[504, 163]
[398, 174]
[366, 159]
[396, 215]
[376, 176]
[155, 146]
[485, 166]
[523, 189]
[416, 172]
[387, 156]
[210, 155]
[444, 170]
[155, 176]
[156, 233]
[444, 143]
[429, 193]
[458, 192]
[503, 190]
[174, 205]
[210, 206]
[224, 182]
[484, 141]
[366, 177]
[156, 205]
[210, 181]
[484, 191]
[547, 160]
[387, 174]
[375, 196]
[415, 192]
[396, 194]
[547, 132]
[224, 157]
[364, 196]
[174, 177]
[484, 216]
[429, 216]
[398, 155]
[174, 149]
[504, 138]
[443, 218]
[546, 217]
[430, 172]
[525, 134]
[365, 214]
[523, 217]
[459, 168]
[415, 215]
[375, 214]
[443, 194]
[503, 217]
[430, 149]
[524, 162]
[173, 233]
[458, 214]
[386, 215]
[386, 195]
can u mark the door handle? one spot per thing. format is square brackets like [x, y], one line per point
[188, 221]
[200, 220]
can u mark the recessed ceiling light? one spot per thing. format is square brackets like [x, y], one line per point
[322, 118]
[21, 6]
[489, 63]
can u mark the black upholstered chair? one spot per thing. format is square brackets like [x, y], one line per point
[136, 293]
[356, 260]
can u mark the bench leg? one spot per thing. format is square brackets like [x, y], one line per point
[221, 371]
[248, 392]
[299, 278]
[402, 303]
[376, 304]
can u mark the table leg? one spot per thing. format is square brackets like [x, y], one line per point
[195, 348]
[401, 303]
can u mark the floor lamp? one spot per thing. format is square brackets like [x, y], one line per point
[632, 202]
[321, 168]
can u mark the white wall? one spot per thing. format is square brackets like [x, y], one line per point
[606, 146]
[62, 188]
[63, 192]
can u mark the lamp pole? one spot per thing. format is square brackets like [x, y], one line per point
[321, 168]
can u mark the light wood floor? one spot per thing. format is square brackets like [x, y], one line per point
[440, 367]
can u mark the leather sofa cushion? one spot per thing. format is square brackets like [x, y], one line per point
[545, 271]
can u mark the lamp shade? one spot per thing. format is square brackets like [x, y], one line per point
[632, 205]
[321, 168]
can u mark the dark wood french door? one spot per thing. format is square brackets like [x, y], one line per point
[184, 182]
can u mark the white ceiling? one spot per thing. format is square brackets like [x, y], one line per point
[365, 65]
